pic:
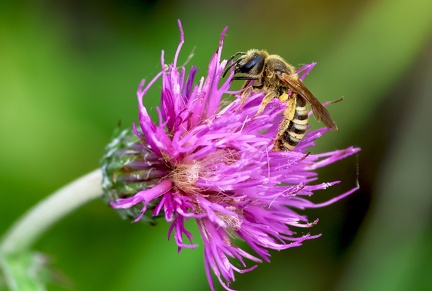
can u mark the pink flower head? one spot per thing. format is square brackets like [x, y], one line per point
[212, 160]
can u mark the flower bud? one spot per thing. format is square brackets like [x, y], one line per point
[130, 166]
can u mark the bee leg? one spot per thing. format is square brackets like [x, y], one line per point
[291, 104]
[266, 100]
[333, 101]
[246, 92]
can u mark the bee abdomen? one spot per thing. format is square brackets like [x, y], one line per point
[292, 132]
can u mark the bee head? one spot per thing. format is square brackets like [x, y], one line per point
[250, 63]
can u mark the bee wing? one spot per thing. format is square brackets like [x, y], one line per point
[319, 111]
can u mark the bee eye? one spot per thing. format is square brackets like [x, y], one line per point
[253, 66]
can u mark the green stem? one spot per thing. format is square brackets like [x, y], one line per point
[39, 218]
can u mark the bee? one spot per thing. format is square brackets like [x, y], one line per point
[272, 75]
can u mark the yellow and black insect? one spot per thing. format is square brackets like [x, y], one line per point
[277, 79]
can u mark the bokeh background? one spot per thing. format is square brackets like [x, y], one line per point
[69, 72]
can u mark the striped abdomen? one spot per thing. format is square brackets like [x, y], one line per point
[292, 131]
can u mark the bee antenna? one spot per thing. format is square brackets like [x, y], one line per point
[228, 68]
[231, 65]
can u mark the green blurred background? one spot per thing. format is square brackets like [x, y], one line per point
[69, 72]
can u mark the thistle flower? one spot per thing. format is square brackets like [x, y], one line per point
[212, 161]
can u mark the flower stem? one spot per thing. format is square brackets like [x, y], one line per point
[39, 218]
